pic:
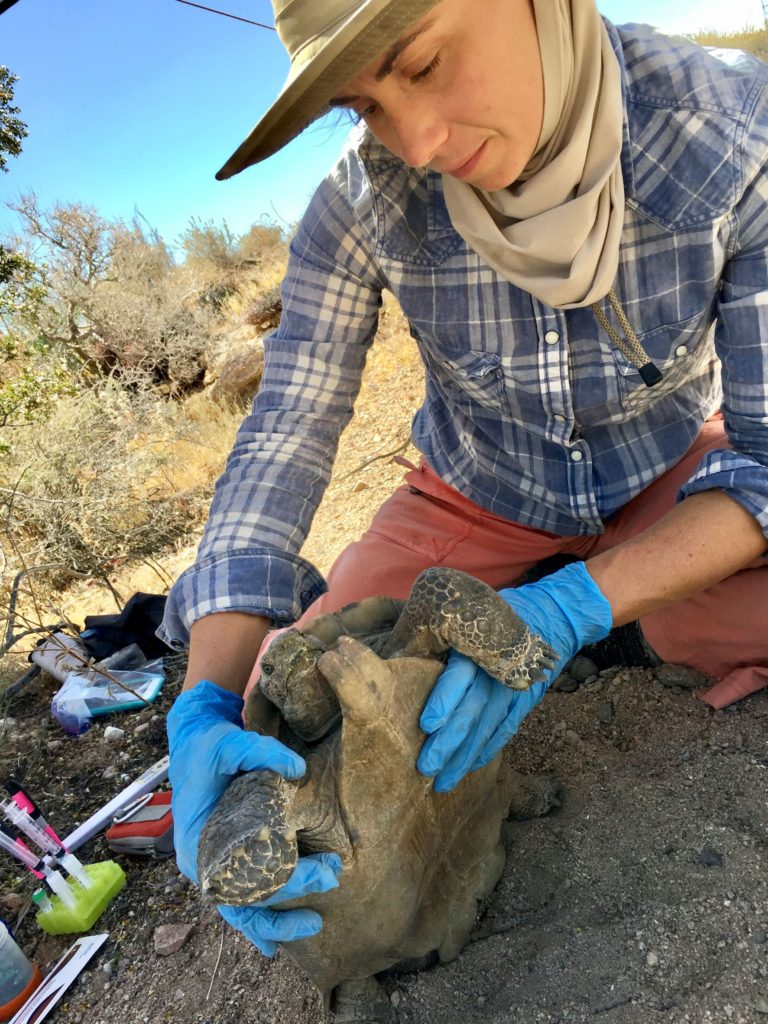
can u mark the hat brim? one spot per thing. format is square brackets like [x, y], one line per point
[367, 33]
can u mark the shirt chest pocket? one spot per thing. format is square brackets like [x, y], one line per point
[682, 351]
[467, 379]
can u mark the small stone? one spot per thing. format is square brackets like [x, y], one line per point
[573, 737]
[681, 675]
[582, 668]
[169, 938]
[7, 723]
[565, 683]
[761, 1005]
[652, 960]
[395, 999]
[54, 744]
[605, 712]
[109, 772]
[11, 902]
[142, 727]
[360, 486]
[107, 969]
[710, 858]
[112, 734]
[481, 1001]
[178, 995]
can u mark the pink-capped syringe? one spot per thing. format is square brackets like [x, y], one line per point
[21, 820]
[39, 868]
[24, 801]
[43, 840]
[21, 852]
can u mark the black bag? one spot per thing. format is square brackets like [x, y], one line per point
[135, 624]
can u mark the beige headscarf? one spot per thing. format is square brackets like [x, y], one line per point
[556, 231]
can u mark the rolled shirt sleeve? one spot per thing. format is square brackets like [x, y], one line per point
[741, 341]
[248, 559]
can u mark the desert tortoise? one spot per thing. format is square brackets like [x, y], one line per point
[346, 692]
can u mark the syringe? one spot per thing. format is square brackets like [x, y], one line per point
[21, 852]
[44, 841]
[53, 879]
[24, 823]
[23, 800]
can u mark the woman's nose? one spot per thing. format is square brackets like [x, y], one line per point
[420, 131]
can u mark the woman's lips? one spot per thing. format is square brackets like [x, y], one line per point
[465, 169]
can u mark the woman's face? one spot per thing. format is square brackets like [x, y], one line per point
[461, 92]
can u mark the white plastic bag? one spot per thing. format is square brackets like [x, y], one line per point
[88, 693]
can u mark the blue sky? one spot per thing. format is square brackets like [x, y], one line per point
[134, 105]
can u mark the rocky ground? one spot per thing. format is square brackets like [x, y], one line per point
[641, 900]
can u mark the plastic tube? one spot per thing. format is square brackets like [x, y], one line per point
[41, 901]
[62, 888]
[73, 867]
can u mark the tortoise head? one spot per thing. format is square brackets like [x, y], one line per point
[291, 679]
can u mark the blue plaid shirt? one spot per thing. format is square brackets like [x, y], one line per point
[529, 411]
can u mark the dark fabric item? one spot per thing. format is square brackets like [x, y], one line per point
[625, 645]
[135, 624]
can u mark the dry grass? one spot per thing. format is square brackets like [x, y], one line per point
[750, 39]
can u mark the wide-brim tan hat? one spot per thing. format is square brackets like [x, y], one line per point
[329, 42]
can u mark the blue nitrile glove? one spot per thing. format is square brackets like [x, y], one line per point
[469, 716]
[317, 872]
[208, 748]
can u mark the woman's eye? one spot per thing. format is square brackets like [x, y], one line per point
[427, 71]
[362, 115]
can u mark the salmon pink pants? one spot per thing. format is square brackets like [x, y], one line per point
[721, 631]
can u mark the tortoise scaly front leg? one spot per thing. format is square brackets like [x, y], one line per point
[448, 608]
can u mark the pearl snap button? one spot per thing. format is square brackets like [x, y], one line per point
[681, 350]
[576, 456]
[551, 337]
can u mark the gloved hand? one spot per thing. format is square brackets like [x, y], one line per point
[208, 748]
[318, 872]
[469, 716]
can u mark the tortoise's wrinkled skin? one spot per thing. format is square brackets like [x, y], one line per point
[416, 863]
[449, 609]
